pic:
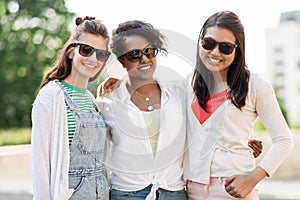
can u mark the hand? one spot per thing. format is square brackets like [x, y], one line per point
[108, 85]
[239, 186]
[256, 146]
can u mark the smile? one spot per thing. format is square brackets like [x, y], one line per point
[146, 67]
[90, 66]
[215, 60]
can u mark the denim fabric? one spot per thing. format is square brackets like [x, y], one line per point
[161, 194]
[87, 173]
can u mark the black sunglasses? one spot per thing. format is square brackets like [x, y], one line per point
[137, 54]
[86, 51]
[224, 47]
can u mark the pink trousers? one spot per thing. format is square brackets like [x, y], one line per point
[214, 191]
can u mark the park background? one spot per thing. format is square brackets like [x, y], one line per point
[33, 31]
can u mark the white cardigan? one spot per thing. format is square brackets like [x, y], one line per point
[50, 146]
[219, 147]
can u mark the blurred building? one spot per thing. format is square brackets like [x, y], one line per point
[283, 63]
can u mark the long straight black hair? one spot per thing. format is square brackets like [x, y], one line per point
[238, 73]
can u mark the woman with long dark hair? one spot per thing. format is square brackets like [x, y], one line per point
[223, 103]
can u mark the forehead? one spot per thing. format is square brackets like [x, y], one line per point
[135, 42]
[96, 41]
[220, 34]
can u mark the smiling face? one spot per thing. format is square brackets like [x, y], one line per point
[141, 70]
[83, 67]
[214, 60]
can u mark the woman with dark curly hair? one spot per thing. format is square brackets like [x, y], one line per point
[147, 120]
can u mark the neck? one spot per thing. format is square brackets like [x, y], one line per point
[145, 95]
[220, 82]
[77, 81]
[143, 87]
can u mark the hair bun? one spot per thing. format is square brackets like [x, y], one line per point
[80, 20]
[89, 18]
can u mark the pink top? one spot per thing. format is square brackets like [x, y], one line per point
[211, 105]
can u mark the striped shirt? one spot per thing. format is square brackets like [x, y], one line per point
[82, 100]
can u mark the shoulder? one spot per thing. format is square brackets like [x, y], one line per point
[49, 92]
[51, 88]
[258, 82]
[173, 88]
[259, 87]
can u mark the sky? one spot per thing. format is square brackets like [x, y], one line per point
[185, 18]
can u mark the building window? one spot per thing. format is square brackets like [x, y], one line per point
[279, 63]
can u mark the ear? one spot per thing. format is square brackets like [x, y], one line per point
[71, 55]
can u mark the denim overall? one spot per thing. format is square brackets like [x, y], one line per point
[87, 173]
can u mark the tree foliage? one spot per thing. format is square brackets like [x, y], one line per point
[31, 34]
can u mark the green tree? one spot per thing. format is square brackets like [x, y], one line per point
[31, 34]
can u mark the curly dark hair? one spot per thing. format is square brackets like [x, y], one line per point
[136, 27]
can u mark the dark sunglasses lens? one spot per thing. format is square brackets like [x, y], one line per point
[226, 47]
[102, 55]
[208, 43]
[134, 55]
[85, 50]
[137, 54]
[151, 52]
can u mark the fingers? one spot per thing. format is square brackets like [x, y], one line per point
[101, 90]
[255, 143]
[108, 85]
[231, 190]
[256, 146]
[229, 180]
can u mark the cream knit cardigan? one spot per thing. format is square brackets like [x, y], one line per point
[50, 147]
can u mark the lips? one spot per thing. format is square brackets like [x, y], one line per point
[215, 60]
[90, 66]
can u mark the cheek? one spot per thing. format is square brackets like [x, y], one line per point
[100, 65]
[202, 54]
[129, 65]
[77, 60]
[230, 59]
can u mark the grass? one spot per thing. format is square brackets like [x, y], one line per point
[15, 136]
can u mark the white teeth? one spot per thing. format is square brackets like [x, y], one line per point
[144, 67]
[214, 60]
[89, 66]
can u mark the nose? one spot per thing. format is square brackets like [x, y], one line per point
[216, 50]
[93, 56]
[144, 58]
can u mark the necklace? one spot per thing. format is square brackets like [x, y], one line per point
[146, 99]
[142, 98]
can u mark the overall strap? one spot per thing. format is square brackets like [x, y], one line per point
[68, 99]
